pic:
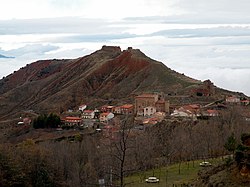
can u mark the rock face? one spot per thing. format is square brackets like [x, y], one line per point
[106, 75]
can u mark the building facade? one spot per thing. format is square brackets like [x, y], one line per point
[155, 100]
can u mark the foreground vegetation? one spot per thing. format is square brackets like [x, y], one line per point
[113, 156]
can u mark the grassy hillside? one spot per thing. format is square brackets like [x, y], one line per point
[169, 175]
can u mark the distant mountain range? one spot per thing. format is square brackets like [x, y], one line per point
[107, 76]
[2, 56]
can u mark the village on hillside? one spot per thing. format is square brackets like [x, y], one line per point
[149, 109]
[150, 112]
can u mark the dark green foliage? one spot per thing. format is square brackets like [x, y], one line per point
[242, 155]
[40, 176]
[229, 161]
[40, 121]
[231, 143]
[44, 121]
[239, 155]
[53, 121]
[242, 150]
[244, 137]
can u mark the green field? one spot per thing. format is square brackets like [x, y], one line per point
[168, 175]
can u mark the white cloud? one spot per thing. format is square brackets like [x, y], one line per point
[215, 10]
[191, 11]
[115, 9]
[227, 78]
[214, 6]
[203, 39]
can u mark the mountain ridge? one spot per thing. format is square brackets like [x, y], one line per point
[104, 76]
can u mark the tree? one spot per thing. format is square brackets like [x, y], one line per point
[88, 175]
[44, 121]
[40, 121]
[11, 173]
[180, 145]
[53, 121]
[119, 150]
[231, 143]
[26, 164]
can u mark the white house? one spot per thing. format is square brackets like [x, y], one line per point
[82, 107]
[233, 100]
[149, 111]
[179, 113]
[88, 114]
[212, 113]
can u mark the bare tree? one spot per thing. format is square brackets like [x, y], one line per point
[120, 144]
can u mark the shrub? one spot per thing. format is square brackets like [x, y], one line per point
[44, 121]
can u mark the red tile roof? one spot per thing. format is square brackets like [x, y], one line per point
[127, 106]
[212, 111]
[105, 114]
[191, 107]
[245, 101]
[73, 118]
[82, 105]
[88, 111]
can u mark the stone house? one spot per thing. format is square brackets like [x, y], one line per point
[155, 100]
[206, 89]
[127, 109]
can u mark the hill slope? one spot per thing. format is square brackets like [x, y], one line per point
[108, 74]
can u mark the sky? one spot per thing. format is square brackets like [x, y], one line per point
[204, 39]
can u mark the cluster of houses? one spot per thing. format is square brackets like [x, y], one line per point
[151, 109]
[104, 114]
[210, 110]
[234, 100]
[195, 111]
